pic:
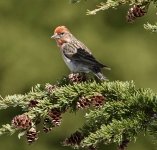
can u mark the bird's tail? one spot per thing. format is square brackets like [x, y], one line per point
[100, 76]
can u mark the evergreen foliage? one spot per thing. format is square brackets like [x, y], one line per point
[142, 5]
[125, 112]
[27, 57]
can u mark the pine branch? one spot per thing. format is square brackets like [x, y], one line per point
[150, 27]
[105, 6]
[7, 129]
[13, 100]
[138, 9]
[115, 3]
[118, 111]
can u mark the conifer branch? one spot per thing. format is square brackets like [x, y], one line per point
[7, 129]
[150, 27]
[138, 8]
[117, 111]
[105, 6]
[115, 3]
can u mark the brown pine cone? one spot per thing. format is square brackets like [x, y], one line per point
[98, 100]
[77, 78]
[47, 129]
[135, 11]
[32, 135]
[92, 148]
[21, 121]
[74, 139]
[83, 102]
[47, 125]
[55, 116]
[50, 88]
[123, 145]
[33, 103]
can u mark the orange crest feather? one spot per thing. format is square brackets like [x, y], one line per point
[61, 29]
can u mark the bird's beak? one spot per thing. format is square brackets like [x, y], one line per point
[55, 36]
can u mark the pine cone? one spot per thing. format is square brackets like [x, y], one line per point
[50, 88]
[92, 148]
[77, 78]
[97, 100]
[32, 135]
[55, 116]
[21, 121]
[83, 102]
[46, 129]
[33, 103]
[136, 11]
[74, 139]
[123, 145]
[47, 125]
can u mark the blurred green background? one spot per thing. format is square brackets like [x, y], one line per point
[28, 56]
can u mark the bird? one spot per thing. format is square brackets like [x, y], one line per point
[76, 55]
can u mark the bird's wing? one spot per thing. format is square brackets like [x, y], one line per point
[79, 52]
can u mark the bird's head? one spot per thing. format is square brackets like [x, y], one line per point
[61, 35]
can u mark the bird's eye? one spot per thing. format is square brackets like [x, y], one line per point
[62, 33]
